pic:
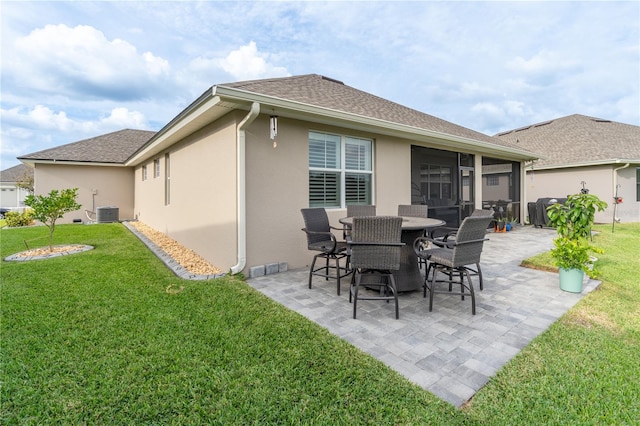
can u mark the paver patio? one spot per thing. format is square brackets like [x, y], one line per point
[448, 351]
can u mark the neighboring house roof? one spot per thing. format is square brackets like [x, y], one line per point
[110, 149]
[16, 173]
[319, 99]
[578, 140]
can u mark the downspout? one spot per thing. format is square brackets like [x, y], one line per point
[241, 188]
[615, 188]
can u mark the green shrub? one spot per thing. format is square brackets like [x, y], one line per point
[15, 219]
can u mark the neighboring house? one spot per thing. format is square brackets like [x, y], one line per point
[228, 176]
[11, 195]
[579, 151]
[95, 166]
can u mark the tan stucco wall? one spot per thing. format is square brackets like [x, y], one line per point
[113, 185]
[202, 211]
[599, 180]
[278, 186]
[629, 210]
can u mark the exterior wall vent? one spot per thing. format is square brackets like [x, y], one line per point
[107, 214]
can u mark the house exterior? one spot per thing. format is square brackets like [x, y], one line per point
[228, 176]
[578, 151]
[11, 195]
[95, 166]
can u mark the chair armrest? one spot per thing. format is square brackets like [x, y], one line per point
[468, 242]
[420, 241]
[329, 234]
[442, 232]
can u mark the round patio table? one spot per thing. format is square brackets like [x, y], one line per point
[408, 277]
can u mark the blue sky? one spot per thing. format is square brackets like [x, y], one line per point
[74, 70]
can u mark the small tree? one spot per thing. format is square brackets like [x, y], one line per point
[26, 183]
[49, 208]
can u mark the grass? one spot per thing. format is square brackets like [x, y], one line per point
[106, 336]
[584, 369]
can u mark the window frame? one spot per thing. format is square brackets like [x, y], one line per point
[144, 172]
[493, 180]
[156, 168]
[343, 173]
[167, 179]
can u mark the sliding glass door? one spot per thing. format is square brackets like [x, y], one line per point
[444, 181]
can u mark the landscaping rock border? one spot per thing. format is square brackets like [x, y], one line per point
[40, 255]
[168, 260]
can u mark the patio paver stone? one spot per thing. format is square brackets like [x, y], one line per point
[448, 351]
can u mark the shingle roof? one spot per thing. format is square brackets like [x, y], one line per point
[115, 147]
[317, 90]
[16, 173]
[578, 140]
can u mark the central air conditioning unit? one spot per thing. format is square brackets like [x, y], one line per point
[107, 214]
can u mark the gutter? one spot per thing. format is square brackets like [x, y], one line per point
[241, 187]
[604, 162]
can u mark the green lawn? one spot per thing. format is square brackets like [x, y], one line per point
[106, 337]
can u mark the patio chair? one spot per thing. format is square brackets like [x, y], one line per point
[321, 239]
[374, 250]
[415, 210]
[439, 237]
[355, 210]
[452, 260]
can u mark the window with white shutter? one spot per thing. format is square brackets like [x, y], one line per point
[340, 170]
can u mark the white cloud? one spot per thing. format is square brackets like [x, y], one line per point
[45, 119]
[29, 130]
[542, 62]
[120, 118]
[40, 117]
[81, 61]
[246, 63]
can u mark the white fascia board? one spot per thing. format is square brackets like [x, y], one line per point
[367, 123]
[611, 161]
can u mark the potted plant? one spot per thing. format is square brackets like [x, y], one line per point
[573, 221]
[501, 223]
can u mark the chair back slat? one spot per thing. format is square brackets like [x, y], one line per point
[413, 210]
[481, 212]
[316, 220]
[361, 210]
[376, 229]
[473, 228]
